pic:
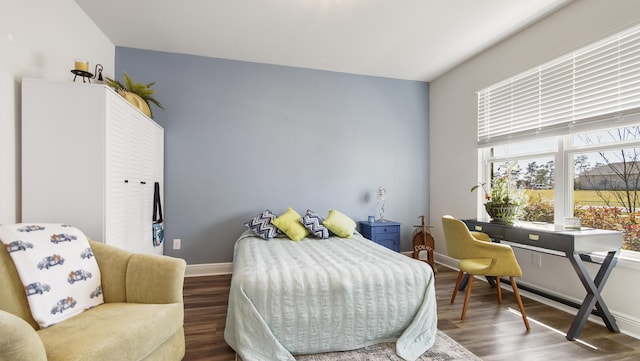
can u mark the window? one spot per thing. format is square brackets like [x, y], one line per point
[600, 183]
[530, 168]
[566, 136]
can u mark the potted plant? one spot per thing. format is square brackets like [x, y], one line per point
[138, 94]
[501, 204]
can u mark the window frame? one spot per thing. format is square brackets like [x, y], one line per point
[563, 175]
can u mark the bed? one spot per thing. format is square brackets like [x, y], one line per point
[321, 295]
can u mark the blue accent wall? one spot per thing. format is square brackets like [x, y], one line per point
[241, 137]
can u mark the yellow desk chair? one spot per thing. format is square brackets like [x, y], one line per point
[479, 257]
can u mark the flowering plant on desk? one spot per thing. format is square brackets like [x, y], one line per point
[501, 204]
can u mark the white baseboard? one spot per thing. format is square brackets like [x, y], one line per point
[208, 269]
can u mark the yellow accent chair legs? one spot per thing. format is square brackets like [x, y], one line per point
[479, 257]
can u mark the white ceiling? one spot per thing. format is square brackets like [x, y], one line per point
[403, 39]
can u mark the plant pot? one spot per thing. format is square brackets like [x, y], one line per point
[502, 214]
[137, 102]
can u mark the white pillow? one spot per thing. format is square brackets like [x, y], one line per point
[57, 268]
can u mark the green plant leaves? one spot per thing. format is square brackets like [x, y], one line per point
[144, 91]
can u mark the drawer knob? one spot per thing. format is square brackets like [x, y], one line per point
[534, 237]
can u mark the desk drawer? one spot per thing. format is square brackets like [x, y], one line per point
[493, 230]
[531, 237]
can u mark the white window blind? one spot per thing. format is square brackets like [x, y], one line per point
[596, 82]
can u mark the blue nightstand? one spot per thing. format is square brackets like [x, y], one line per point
[383, 233]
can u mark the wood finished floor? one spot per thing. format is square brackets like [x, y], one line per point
[491, 331]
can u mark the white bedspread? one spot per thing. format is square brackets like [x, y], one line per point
[319, 295]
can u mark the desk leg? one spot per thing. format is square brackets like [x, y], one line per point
[593, 298]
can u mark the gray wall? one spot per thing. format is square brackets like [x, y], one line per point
[242, 137]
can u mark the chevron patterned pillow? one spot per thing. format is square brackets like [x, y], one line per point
[262, 226]
[313, 223]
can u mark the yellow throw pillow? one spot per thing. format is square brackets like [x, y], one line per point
[289, 223]
[340, 224]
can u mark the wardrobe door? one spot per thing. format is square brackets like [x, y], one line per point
[136, 183]
[117, 180]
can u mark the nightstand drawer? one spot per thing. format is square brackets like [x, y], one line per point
[381, 231]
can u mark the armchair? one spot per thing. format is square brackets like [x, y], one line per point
[141, 319]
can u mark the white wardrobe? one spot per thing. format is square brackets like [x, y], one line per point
[90, 159]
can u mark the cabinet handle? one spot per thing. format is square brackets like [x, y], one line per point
[143, 182]
[126, 181]
[478, 228]
[534, 237]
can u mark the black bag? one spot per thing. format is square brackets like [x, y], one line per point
[158, 222]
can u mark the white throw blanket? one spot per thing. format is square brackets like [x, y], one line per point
[326, 295]
[57, 268]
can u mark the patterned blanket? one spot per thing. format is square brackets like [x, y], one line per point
[57, 268]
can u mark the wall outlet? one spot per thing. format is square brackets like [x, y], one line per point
[177, 243]
[536, 259]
